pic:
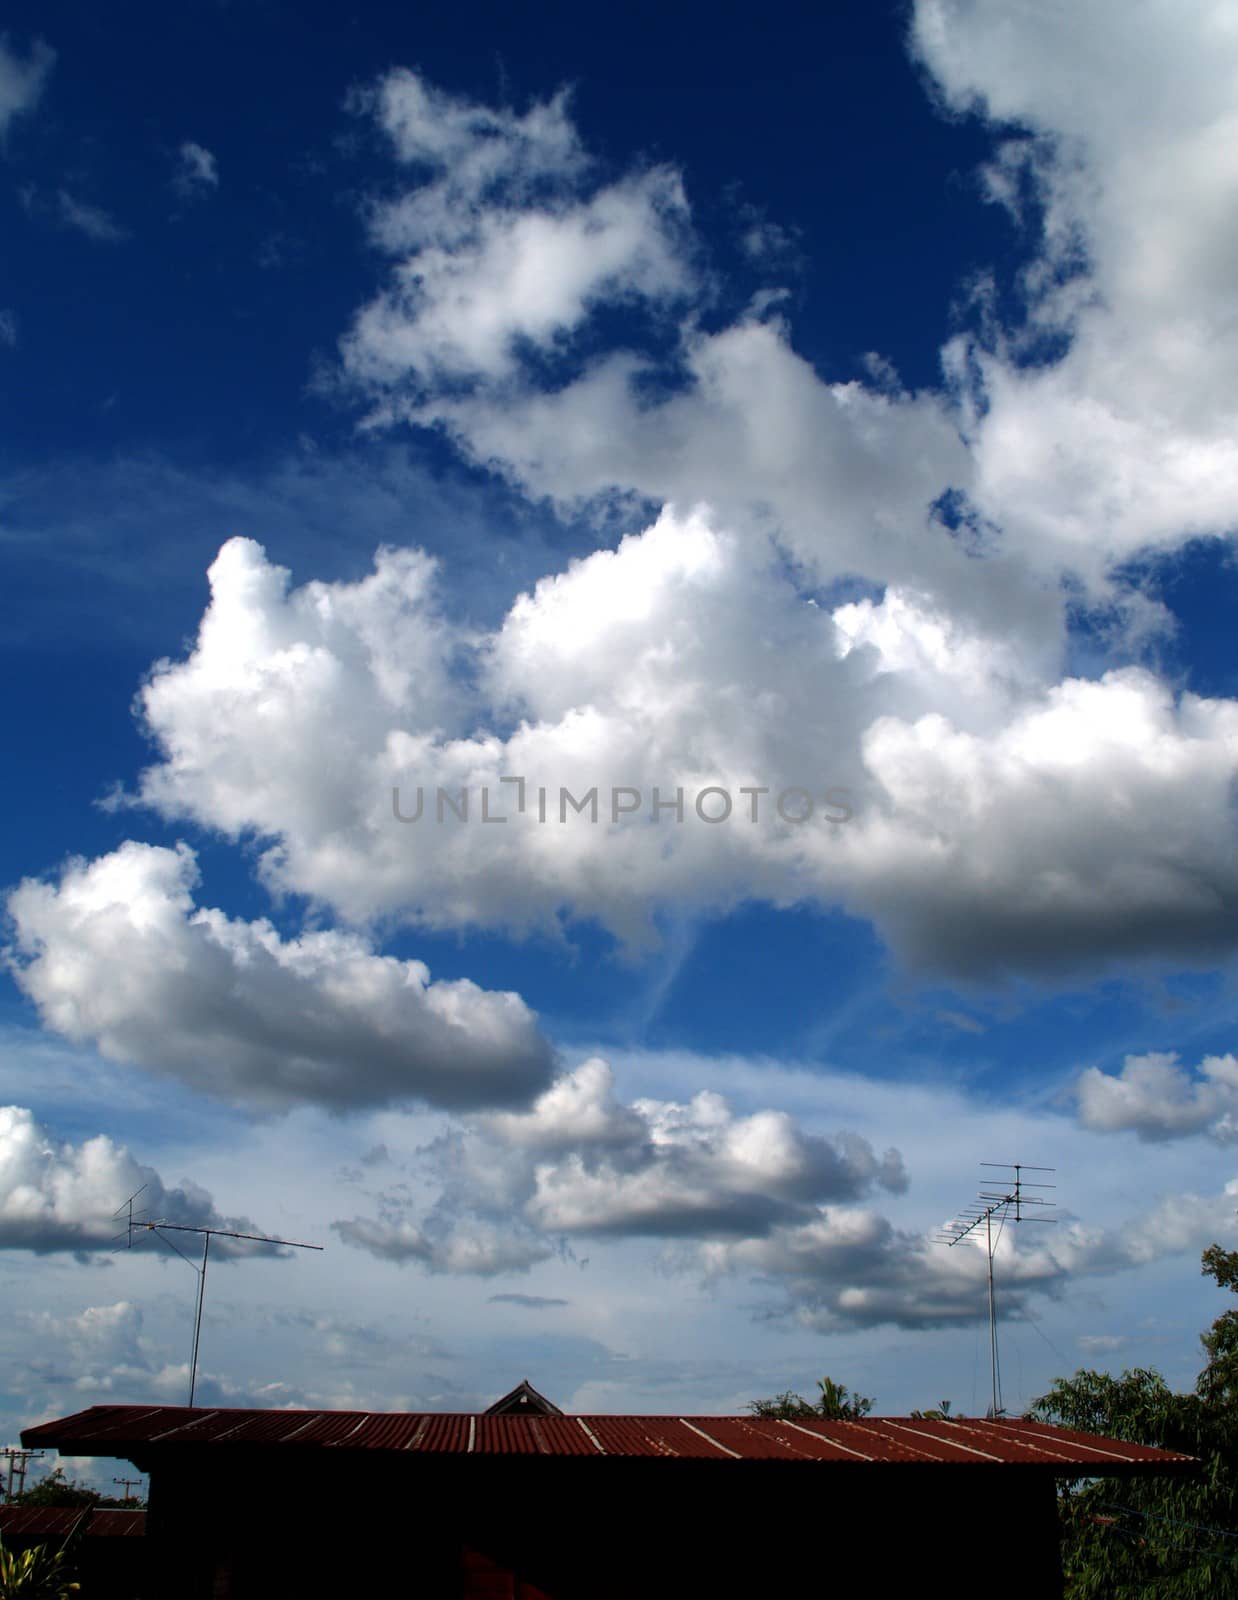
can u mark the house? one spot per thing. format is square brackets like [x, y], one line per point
[523, 1401]
[529, 1504]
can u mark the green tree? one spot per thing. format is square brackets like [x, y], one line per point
[57, 1490]
[841, 1404]
[1164, 1538]
[787, 1404]
[940, 1413]
[835, 1401]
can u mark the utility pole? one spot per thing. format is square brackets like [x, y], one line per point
[17, 1459]
[129, 1483]
[1008, 1202]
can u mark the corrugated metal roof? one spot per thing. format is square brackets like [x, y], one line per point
[117, 1430]
[58, 1522]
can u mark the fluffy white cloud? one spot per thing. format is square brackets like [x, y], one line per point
[664, 1168]
[473, 148]
[504, 244]
[1156, 1097]
[56, 1196]
[1012, 818]
[1094, 825]
[504, 248]
[843, 475]
[1119, 127]
[297, 715]
[22, 78]
[1099, 426]
[117, 954]
[581, 1164]
[1001, 823]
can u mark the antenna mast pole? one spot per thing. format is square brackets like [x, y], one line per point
[988, 1228]
[1007, 1203]
[160, 1228]
[197, 1324]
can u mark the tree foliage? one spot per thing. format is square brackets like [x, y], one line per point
[835, 1401]
[40, 1573]
[1158, 1538]
[940, 1413]
[57, 1490]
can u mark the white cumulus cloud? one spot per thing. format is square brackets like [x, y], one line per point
[1119, 131]
[503, 243]
[1003, 820]
[1155, 1096]
[56, 1195]
[582, 1164]
[116, 953]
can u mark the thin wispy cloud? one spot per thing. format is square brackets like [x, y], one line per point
[196, 170]
[89, 219]
[23, 77]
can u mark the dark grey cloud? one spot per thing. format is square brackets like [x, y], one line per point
[533, 1302]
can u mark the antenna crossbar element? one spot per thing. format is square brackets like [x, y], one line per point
[1008, 1203]
[160, 1228]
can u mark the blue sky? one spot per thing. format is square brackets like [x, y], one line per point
[834, 402]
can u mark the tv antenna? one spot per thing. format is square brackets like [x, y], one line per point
[1008, 1201]
[160, 1228]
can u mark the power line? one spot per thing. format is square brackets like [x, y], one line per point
[17, 1459]
[1035, 1322]
[1159, 1516]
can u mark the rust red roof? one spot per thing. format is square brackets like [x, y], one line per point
[119, 1430]
[58, 1522]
